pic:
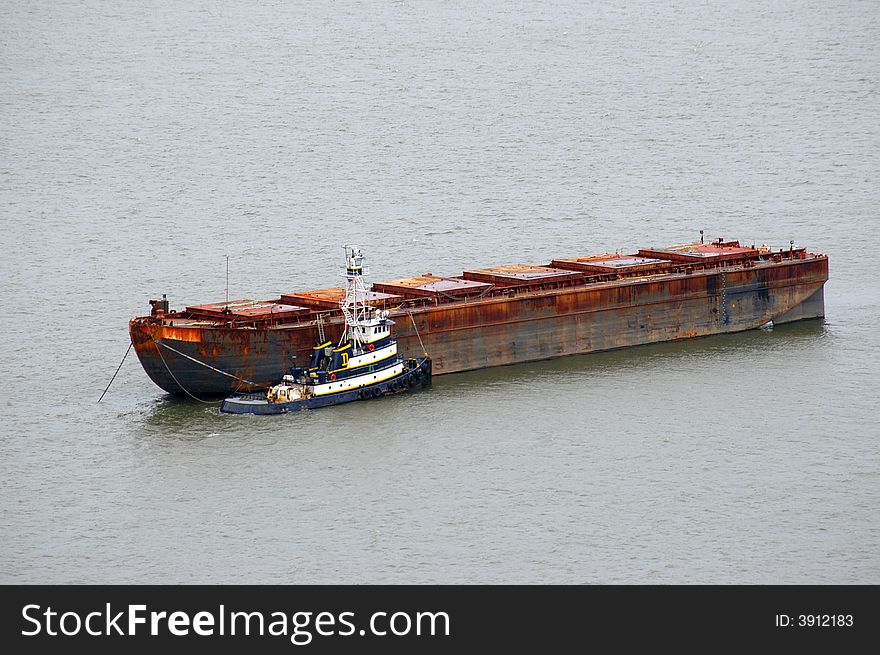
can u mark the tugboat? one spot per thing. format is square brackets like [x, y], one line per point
[364, 364]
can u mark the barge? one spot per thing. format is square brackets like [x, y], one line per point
[494, 315]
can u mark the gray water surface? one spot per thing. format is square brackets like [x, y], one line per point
[144, 142]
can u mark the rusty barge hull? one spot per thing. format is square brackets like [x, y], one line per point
[196, 354]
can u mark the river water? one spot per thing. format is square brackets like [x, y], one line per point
[143, 142]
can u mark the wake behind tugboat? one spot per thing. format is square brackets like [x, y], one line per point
[364, 364]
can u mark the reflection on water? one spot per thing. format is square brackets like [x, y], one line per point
[184, 419]
[173, 412]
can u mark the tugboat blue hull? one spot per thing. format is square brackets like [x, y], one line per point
[417, 376]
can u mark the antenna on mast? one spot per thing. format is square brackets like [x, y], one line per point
[227, 281]
[354, 304]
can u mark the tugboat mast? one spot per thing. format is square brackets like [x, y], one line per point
[354, 305]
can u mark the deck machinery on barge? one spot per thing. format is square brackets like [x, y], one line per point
[495, 315]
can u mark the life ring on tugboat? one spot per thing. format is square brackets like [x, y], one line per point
[371, 347]
[333, 377]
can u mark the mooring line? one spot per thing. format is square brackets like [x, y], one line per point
[117, 372]
[417, 333]
[176, 381]
[229, 375]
